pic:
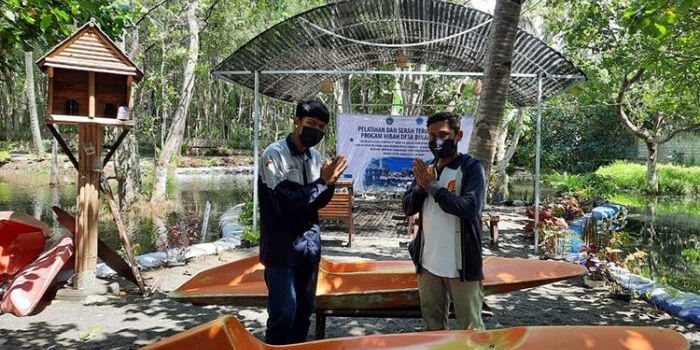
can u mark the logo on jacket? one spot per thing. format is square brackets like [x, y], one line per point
[451, 185]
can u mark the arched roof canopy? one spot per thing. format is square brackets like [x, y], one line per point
[368, 34]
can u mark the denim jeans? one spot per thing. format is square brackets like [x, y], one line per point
[291, 301]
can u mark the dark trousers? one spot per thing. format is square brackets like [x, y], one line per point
[290, 303]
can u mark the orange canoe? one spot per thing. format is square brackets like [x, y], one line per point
[28, 286]
[227, 333]
[22, 239]
[362, 284]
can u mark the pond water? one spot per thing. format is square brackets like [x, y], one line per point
[33, 195]
[666, 230]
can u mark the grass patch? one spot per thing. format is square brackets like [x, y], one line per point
[674, 180]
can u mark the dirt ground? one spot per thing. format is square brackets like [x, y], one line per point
[131, 321]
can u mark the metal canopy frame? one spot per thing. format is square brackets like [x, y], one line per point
[361, 35]
[291, 59]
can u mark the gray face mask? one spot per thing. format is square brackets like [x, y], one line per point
[310, 136]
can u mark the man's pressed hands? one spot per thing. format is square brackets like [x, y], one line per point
[423, 175]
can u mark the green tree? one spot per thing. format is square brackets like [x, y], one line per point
[27, 24]
[641, 57]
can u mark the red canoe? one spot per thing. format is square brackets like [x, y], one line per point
[226, 333]
[362, 285]
[29, 285]
[22, 239]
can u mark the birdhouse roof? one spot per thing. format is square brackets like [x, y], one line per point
[90, 49]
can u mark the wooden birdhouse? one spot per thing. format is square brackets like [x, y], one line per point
[90, 80]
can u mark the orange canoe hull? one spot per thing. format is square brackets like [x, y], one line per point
[227, 333]
[362, 284]
[26, 289]
[22, 239]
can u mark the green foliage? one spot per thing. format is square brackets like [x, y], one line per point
[637, 56]
[624, 175]
[7, 146]
[147, 182]
[245, 218]
[673, 179]
[214, 161]
[4, 157]
[251, 236]
[688, 205]
[29, 24]
[584, 187]
[692, 256]
[574, 140]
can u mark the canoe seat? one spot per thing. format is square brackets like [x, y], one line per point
[341, 207]
[410, 312]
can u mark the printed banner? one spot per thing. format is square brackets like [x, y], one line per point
[380, 148]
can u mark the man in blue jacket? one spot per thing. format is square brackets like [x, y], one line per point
[295, 182]
[449, 195]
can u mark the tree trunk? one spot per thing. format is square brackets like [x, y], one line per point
[31, 104]
[126, 158]
[128, 170]
[341, 90]
[494, 92]
[173, 142]
[505, 154]
[652, 175]
[412, 90]
[54, 177]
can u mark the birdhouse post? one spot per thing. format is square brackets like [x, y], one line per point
[90, 81]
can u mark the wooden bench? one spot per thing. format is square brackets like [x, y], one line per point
[198, 146]
[340, 207]
[489, 220]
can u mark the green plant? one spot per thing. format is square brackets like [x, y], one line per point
[4, 157]
[673, 179]
[245, 218]
[214, 161]
[251, 236]
[7, 146]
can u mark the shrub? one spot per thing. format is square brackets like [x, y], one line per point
[673, 179]
[245, 218]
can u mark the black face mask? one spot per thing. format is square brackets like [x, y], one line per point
[310, 136]
[442, 148]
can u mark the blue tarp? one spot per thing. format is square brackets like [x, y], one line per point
[682, 304]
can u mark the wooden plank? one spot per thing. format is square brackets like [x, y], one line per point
[129, 85]
[91, 94]
[98, 66]
[123, 238]
[85, 46]
[76, 119]
[49, 106]
[90, 144]
[89, 56]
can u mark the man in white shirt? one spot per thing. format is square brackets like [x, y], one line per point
[449, 195]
